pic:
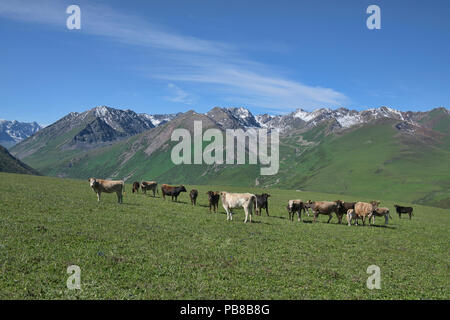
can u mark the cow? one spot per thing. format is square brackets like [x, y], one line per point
[193, 195]
[149, 185]
[172, 191]
[325, 207]
[295, 206]
[213, 198]
[400, 210]
[238, 200]
[261, 200]
[135, 187]
[381, 212]
[364, 209]
[107, 186]
[344, 209]
[351, 215]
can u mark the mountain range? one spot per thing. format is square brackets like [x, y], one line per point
[12, 132]
[382, 152]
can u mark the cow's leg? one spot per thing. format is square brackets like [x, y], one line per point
[246, 214]
[267, 210]
[409, 216]
[98, 196]
[330, 216]
[386, 219]
[349, 219]
[316, 213]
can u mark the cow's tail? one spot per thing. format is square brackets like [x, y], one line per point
[256, 203]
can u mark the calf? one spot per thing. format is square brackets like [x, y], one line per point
[107, 186]
[364, 209]
[135, 187]
[193, 195]
[238, 200]
[261, 200]
[149, 185]
[172, 191]
[351, 215]
[213, 198]
[400, 210]
[381, 212]
[326, 208]
[295, 206]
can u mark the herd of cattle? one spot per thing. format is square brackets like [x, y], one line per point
[257, 202]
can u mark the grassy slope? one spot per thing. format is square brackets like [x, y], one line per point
[148, 248]
[10, 164]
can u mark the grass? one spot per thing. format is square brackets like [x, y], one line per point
[148, 248]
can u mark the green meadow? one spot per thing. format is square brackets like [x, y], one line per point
[148, 248]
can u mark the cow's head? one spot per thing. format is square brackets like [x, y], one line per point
[375, 204]
[182, 189]
[92, 182]
[308, 204]
[265, 195]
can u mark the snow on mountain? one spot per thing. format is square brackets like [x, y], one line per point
[12, 132]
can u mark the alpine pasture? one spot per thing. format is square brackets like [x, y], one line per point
[148, 248]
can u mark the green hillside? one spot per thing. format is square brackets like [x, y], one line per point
[8, 163]
[148, 248]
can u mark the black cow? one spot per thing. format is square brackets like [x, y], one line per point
[400, 210]
[343, 209]
[172, 191]
[135, 187]
[296, 206]
[193, 195]
[213, 198]
[261, 199]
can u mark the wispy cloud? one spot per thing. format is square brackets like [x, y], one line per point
[179, 95]
[189, 59]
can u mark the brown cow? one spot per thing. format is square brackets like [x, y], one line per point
[172, 191]
[381, 212]
[135, 187]
[107, 186]
[364, 209]
[149, 185]
[325, 207]
[193, 195]
[213, 198]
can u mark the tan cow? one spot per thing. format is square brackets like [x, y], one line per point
[238, 200]
[381, 212]
[351, 215]
[364, 209]
[149, 185]
[325, 207]
[107, 186]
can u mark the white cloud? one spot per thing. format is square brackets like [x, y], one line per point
[178, 95]
[188, 59]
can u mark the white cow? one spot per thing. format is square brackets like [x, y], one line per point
[238, 200]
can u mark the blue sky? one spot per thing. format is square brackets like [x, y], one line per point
[270, 56]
